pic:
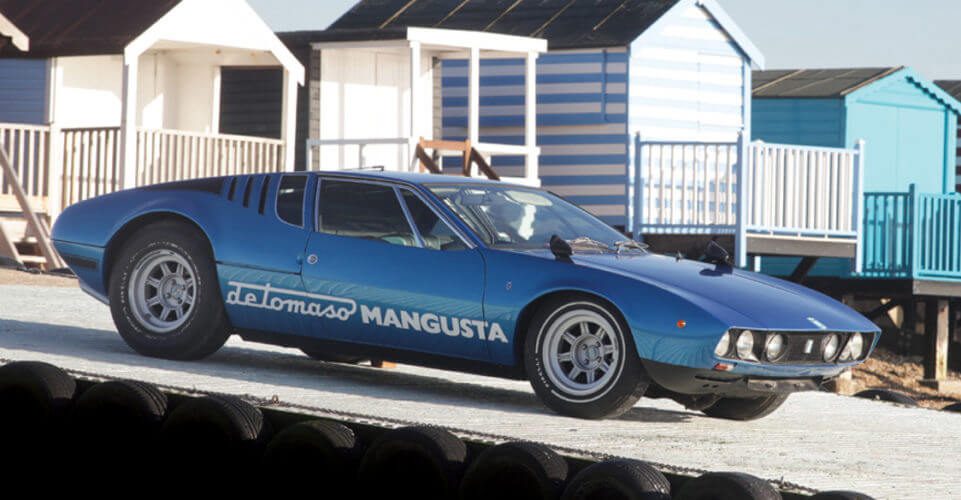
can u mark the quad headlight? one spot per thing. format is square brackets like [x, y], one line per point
[853, 349]
[723, 346]
[829, 347]
[775, 346]
[745, 345]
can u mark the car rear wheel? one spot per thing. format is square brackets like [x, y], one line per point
[745, 408]
[164, 295]
[580, 359]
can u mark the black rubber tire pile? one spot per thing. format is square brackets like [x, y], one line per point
[130, 436]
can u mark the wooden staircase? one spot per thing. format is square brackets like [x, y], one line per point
[470, 157]
[25, 235]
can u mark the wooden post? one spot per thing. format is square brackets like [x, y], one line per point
[531, 161]
[128, 123]
[936, 331]
[473, 96]
[740, 231]
[289, 121]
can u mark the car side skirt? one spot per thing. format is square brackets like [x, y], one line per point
[384, 353]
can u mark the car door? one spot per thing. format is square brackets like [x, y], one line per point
[384, 268]
[265, 231]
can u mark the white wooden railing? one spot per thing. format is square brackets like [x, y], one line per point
[802, 191]
[345, 150]
[27, 146]
[168, 155]
[91, 163]
[59, 167]
[787, 190]
[685, 187]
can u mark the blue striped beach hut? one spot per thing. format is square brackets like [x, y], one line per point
[666, 69]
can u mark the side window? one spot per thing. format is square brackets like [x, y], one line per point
[435, 232]
[360, 210]
[290, 199]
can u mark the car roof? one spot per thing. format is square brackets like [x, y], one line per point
[409, 177]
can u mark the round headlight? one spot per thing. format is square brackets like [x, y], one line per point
[745, 345]
[854, 348]
[723, 346]
[775, 347]
[829, 346]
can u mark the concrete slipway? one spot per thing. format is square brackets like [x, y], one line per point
[818, 440]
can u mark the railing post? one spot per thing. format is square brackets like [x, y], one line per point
[638, 188]
[914, 262]
[128, 124]
[740, 226]
[858, 213]
[55, 178]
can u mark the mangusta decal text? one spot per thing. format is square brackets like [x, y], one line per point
[326, 306]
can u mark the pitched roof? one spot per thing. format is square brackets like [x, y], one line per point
[815, 82]
[952, 87]
[564, 23]
[81, 27]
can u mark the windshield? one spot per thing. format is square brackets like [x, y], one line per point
[521, 219]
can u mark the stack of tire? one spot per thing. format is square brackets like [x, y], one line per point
[102, 435]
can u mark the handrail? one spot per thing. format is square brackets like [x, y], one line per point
[755, 187]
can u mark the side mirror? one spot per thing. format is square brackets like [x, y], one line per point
[716, 254]
[561, 249]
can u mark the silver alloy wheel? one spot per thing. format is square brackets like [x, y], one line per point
[162, 291]
[581, 353]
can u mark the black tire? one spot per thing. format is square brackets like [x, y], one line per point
[620, 479]
[516, 470]
[121, 409]
[115, 425]
[315, 452]
[887, 395]
[956, 407]
[745, 408]
[33, 395]
[206, 328]
[330, 357]
[841, 495]
[727, 486]
[413, 462]
[213, 432]
[611, 399]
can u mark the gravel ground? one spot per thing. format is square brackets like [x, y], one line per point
[818, 440]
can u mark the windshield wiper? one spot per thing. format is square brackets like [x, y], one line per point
[636, 245]
[589, 242]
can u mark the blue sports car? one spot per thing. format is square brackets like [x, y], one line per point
[451, 272]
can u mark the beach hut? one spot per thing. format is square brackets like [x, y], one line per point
[669, 69]
[953, 87]
[910, 127]
[118, 93]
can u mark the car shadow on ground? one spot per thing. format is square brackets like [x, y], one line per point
[289, 369]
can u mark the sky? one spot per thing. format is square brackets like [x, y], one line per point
[923, 34]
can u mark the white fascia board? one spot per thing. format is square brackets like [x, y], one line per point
[471, 39]
[19, 39]
[216, 23]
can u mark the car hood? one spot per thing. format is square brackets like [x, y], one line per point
[740, 298]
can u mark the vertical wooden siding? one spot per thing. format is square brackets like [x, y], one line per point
[687, 81]
[581, 122]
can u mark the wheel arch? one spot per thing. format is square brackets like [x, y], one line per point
[528, 312]
[129, 228]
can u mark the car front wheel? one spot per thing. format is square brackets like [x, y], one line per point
[581, 360]
[164, 295]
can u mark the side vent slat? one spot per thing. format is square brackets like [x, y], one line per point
[263, 195]
[232, 190]
[250, 185]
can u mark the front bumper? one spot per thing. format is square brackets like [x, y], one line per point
[697, 381]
